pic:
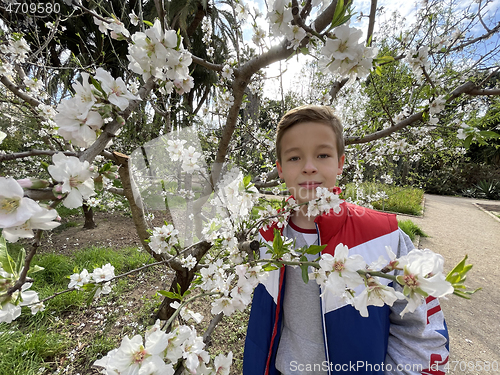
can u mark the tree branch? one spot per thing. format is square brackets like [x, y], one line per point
[26, 154]
[16, 91]
[484, 36]
[371, 22]
[206, 64]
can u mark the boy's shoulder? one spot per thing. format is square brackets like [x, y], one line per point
[368, 217]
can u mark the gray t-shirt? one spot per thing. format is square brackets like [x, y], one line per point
[301, 346]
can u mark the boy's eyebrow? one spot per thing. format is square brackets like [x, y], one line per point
[293, 149]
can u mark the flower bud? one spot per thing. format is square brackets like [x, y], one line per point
[33, 183]
[25, 183]
[120, 120]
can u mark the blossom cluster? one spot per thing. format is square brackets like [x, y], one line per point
[217, 278]
[189, 156]
[344, 55]
[114, 26]
[160, 54]
[163, 238]
[160, 351]
[10, 308]
[326, 201]
[82, 116]
[422, 276]
[206, 27]
[100, 275]
[233, 202]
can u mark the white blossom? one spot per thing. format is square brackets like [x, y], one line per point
[76, 176]
[15, 210]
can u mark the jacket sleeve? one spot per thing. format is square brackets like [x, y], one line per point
[418, 342]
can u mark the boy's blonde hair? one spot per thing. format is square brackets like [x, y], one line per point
[310, 113]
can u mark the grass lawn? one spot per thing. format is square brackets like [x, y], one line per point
[402, 200]
[74, 330]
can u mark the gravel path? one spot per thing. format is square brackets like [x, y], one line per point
[456, 227]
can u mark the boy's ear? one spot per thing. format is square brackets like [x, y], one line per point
[280, 170]
[341, 163]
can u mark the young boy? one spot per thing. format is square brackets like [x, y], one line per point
[294, 330]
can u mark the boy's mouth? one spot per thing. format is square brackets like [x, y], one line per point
[310, 184]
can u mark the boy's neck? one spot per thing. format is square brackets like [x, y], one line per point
[301, 220]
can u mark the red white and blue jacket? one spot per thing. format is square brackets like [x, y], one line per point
[383, 342]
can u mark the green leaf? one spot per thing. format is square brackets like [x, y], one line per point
[378, 70]
[339, 10]
[457, 277]
[468, 141]
[383, 59]
[315, 249]
[489, 134]
[5, 259]
[148, 23]
[20, 261]
[34, 269]
[97, 85]
[277, 243]
[246, 180]
[305, 272]
[167, 294]
[270, 267]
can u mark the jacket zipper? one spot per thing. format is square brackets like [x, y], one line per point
[322, 314]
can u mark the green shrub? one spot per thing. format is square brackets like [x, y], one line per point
[411, 229]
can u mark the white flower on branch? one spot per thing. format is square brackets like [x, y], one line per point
[423, 276]
[187, 314]
[375, 294]
[116, 89]
[133, 357]
[19, 49]
[343, 55]
[134, 19]
[341, 270]
[75, 119]
[242, 12]
[42, 219]
[106, 273]
[189, 262]
[14, 208]
[11, 309]
[76, 176]
[193, 353]
[227, 72]
[437, 105]
[77, 280]
[326, 201]
[223, 363]
[6, 69]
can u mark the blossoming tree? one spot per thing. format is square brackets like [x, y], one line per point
[212, 250]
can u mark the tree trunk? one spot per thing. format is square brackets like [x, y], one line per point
[89, 217]
[183, 279]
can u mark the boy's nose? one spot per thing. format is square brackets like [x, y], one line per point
[309, 167]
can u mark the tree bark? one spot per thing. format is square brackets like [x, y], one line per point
[88, 213]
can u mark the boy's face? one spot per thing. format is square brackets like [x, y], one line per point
[309, 159]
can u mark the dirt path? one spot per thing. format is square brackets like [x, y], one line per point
[457, 227]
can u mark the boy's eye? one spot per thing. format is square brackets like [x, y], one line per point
[324, 156]
[294, 158]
